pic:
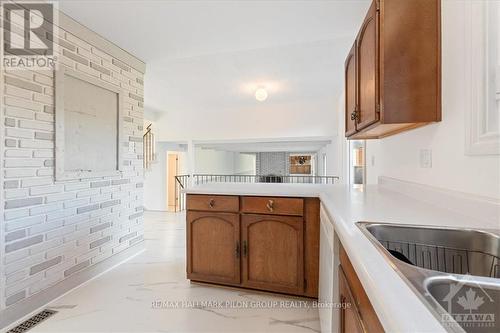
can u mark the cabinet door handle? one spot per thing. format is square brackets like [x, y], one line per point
[211, 203]
[270, 205]
[237, 250]
[355, 114]
[245, 248]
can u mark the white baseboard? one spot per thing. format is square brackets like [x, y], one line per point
[17, 313]
[477, 207]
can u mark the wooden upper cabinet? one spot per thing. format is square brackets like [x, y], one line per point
[351, 92]
[398, 79]
[213, 252]
[273, 253]
[367, 57]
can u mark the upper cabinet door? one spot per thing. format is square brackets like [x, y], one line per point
[368, 69]
[351, 92]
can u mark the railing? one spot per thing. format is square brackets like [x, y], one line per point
[205, 178]
[149, 148]
[181, 182]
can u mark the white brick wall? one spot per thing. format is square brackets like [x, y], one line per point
[52, 230]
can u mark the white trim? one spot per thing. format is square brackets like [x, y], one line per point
[61, 173]
[476, 82]
[327, 139]
[2, 159]
[21, 311]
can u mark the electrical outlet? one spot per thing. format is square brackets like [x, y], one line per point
[373, 160]
[426, 158]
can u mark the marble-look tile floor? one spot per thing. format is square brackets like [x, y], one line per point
[141, 295]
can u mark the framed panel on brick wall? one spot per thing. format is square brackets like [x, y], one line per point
[88, 126]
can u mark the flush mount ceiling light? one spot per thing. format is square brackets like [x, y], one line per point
[261, 94]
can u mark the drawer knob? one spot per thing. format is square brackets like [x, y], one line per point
[211, 203]
[270, 205]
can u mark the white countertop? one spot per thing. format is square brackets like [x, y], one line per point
[397, 306]
[266, 189]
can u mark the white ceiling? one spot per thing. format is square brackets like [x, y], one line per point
[206, 58]
[158, 30]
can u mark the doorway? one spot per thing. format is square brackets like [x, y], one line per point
[172, 171]
[357, 164]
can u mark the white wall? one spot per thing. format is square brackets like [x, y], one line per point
[209, 161]
[155, 178]
[183, 162]
[244, 164]
[155, 183]
[398, 156]
[336, 152]
[329, 151]
[333, 159]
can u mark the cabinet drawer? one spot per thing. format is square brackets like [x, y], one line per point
[216, 203]
[272, 205]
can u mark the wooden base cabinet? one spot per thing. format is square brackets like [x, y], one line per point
[350, 320]
[261, 243]
[214, 252]
[273, 253]
[359, 316]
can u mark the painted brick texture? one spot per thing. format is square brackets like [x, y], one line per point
[272, 163]
[52, 230]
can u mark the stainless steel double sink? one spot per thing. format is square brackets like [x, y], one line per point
[456, 272]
